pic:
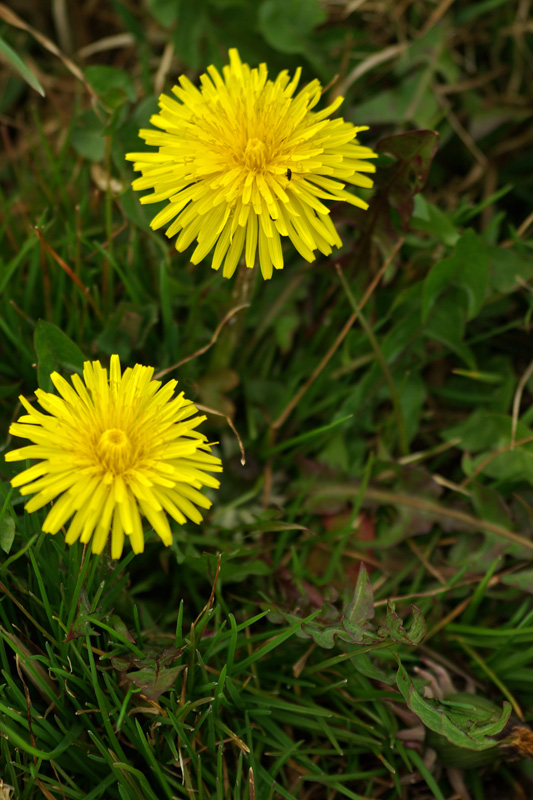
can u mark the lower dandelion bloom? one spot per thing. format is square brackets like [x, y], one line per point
[110, 451]
[244, 163]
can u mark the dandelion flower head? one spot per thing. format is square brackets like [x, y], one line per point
[244, 162]
[110, 451]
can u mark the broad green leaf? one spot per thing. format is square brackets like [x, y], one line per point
[467, 268]
[473, 273]
[390, 105]
[165, 11]
[490, 505]
[402, 335]
[127, 328]
[7, 532]
[460, 727]
[361, 607]
[511, 465]
[412, 400]
[522, 580]
[18, 64]
[446, 325]
[87, 137]
[285, 326]
[366, 666]
[55, 351]
[430, 219]
[115, 621]
[508, 268]
[113, 86]
[129, 20]
[191, 28]
[484, 430]
[154, 681]
[287, 24]
[438, 279]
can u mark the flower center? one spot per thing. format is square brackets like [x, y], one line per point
[114, 450]
[255, 154]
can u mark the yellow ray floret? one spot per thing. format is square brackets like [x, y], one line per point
[112, 450]
[241, 162]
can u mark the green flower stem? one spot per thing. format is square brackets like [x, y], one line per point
[231, 334]
[402, 434]
[107, 268]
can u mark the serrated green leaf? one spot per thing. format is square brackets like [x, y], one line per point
[463, 730]
[395, 630]
[326, 635]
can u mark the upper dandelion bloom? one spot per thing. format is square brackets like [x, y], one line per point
[111, 450]
[243, 163]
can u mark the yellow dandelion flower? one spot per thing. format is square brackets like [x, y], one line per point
[113, 449]
[243, 163]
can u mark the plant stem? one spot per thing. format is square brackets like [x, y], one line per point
[402, 434]
[231, 334]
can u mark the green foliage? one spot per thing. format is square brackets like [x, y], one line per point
[376, 545]
[18, 64]
[467, 268]
[469, 726]
[397, 183]
[54, 350]
[288, 26]
[354, 626]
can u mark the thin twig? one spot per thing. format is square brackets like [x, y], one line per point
[230, 423]
[231, 313]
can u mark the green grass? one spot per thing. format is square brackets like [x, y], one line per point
[383, 400]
